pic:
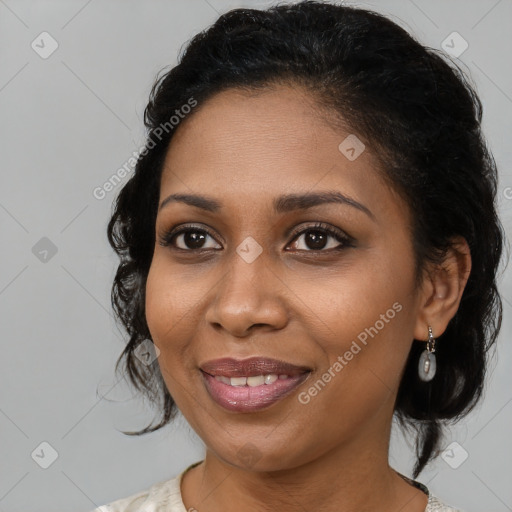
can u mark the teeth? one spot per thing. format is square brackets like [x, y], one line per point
[269, 379]
[256, 380]
[238, 381]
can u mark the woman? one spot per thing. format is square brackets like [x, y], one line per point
[310, 244]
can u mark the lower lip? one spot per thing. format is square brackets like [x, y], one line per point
[246, 398]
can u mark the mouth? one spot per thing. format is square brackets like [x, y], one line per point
[251, 367]
[251, 384]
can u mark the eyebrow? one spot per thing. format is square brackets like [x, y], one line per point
[282, 204]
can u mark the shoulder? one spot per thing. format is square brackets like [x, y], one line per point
[436, 505]
[162, 493]
[162, 496]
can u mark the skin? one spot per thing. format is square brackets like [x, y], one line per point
[291, 303]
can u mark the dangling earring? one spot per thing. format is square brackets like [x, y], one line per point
[427, 363]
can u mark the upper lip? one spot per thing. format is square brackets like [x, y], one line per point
[229, 367]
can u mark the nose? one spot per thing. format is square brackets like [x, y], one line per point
[250, 295]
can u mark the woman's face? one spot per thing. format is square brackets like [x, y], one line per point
[259, 284]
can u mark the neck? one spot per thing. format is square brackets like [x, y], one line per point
[354, 477]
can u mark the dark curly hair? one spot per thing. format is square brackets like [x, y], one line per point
[410, 103]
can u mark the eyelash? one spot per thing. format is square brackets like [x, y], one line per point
[346, 241]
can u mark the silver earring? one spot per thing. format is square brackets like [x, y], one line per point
[427, 363]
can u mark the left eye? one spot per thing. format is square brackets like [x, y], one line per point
[316, 239]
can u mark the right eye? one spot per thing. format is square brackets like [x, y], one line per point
[191, 238]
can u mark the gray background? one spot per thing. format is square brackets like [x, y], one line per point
[68, 122]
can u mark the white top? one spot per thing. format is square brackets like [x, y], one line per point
[166, 497]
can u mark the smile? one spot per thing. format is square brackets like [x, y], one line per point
[250, 394]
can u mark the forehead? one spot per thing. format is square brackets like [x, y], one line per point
[242, 146]
[238, 124]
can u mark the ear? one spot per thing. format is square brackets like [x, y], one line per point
[442, 290]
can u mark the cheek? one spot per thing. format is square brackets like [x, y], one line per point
[173, 310]
[163, 313]
[359, 382]
[156, 303]
[170, 300]
[367, 320]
